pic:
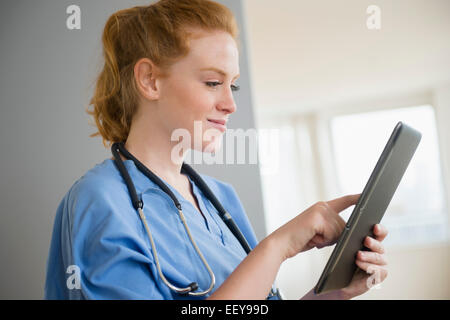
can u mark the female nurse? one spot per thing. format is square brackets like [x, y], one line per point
[174, 65]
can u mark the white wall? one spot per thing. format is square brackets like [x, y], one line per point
[311, 59]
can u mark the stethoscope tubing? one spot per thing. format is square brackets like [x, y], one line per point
[138, 205]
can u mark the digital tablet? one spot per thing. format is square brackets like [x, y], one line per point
[370, 208]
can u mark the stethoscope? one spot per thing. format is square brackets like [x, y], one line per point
[139, 205]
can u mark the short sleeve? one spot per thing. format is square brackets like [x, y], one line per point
[104, 240]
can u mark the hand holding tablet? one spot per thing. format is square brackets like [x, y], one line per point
[369, 210]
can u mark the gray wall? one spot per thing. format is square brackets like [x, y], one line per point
[47, 76]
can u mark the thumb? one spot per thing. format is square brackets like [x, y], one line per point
[344, 202]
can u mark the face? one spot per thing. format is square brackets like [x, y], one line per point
[198, 91]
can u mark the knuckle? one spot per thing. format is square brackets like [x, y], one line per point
[317, 219]
[321, 206]
[379, 258]
[320, 210]
[375, 257]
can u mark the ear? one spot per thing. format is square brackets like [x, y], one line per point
[145, 75]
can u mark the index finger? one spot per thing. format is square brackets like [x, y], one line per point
[344, 202]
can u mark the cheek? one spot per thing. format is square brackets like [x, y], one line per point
[192, 102]
[194, 105]
[201, 104]
[189, 108]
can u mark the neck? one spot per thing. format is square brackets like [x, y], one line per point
[152, 146]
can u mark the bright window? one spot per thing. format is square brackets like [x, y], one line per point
[417, 213]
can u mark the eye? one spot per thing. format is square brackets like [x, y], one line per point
[214, 84]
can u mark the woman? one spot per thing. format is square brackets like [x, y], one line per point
[169, 66]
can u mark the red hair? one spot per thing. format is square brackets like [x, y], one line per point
[158, 32]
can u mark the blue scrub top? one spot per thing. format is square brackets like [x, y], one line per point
[100, 249]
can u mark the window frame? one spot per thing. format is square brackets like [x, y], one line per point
[324, 141]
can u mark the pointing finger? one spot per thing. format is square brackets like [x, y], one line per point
[344, 202]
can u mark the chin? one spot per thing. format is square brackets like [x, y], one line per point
[210, 146]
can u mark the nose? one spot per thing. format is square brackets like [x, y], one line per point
[227, 103]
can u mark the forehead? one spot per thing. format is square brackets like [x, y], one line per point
[214, 49]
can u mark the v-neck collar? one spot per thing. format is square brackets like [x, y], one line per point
[143, 183]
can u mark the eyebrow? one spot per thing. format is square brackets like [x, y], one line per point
[218, 71]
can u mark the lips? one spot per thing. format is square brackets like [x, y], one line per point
[218, 124]
[219, 121]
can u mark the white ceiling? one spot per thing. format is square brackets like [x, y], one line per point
[311, 54]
